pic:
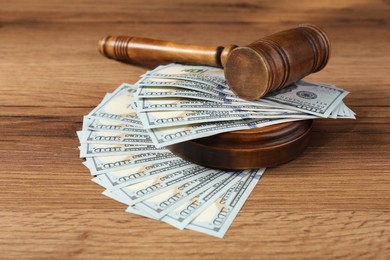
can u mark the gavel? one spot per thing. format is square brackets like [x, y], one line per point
[251, 71]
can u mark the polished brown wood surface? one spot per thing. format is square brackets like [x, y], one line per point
[330, 202]
[252, 71]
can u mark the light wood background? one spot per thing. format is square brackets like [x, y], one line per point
[332, 201]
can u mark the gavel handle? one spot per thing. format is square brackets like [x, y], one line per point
[145, 51]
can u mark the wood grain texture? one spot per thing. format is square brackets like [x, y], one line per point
[332, 201]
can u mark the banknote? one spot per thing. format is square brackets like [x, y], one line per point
[312, 98]
[121, 178]
[171, 135]
[186, 84]
[112, 195]
[209, 75]
[117, 106]
[103, 149]
[161, 204]
[174, 104]
[153, 92]
[181, 216]
[113, 138]
[217, 217]
[345, 112]
[160, 119]
[169, 92]
[138, 192]
[335, 112]
[134, 210]
[101, 124]
[102, 164]
[179, 104]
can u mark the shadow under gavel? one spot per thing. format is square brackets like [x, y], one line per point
[251, 71]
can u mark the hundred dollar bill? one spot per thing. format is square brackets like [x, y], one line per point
[216, 218]
[161, 204]
[342, 111]
[172, 135]
[335, 112]
[135, 193]
[99, 149]
[101, 124]
[153, 92]
[121, 178]
[103, 164]
[112, 195]
[209, 75]
[174, 104]
[113, 138]
[117, 106]
[169, 92]
[313, 98]
[327, 97]
[164, 81]
[186, 84]
[134, 210]
[160, 119]
[181, 216]
[345, 112]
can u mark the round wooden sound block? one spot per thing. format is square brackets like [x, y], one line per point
[248, 149]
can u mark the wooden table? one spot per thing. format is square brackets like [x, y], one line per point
[332, 201]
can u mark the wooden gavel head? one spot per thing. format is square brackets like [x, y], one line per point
[251, 71]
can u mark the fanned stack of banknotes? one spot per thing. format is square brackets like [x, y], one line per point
[123, 141]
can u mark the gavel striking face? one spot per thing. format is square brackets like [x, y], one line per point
[251, 71]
